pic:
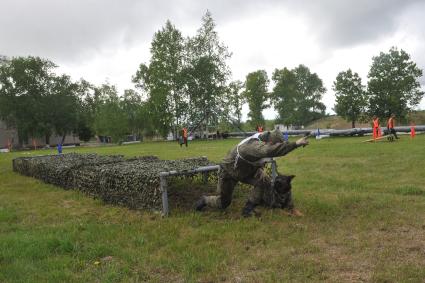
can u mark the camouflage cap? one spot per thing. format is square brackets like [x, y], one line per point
[274, 136]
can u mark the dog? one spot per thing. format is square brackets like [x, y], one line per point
[279, 196]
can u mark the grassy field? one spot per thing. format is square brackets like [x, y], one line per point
[364, 220]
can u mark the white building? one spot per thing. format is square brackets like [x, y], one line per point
[283, 128]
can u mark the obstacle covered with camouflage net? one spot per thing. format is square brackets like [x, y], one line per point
[134, 183]
[58, 169]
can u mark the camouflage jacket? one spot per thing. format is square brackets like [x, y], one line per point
[245, 164]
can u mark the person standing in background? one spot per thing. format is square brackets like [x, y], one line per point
[412, 130]
[184, 134]
[376, 127]
[390, 126]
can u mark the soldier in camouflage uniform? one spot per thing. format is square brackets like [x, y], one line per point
[244, 164]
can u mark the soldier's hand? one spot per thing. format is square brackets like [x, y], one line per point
[293, 212]
[302, 141]
[296, 212]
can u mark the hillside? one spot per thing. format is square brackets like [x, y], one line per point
[419, 117]
[336, 122]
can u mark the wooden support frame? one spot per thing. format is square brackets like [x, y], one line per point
[204, 170]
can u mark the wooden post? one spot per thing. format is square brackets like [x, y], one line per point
[163, 185]
[205, 177]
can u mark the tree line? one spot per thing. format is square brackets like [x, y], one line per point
[187, 82]
[392, 88]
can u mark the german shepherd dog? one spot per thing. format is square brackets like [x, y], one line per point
[279, 196]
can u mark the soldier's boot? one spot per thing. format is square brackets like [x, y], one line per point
[200, 204]
[248, 209]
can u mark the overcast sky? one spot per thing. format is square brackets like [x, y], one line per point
[106, 40]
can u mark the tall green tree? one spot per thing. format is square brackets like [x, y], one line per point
[61, 107]
[231, 109]
[86, 111]
[297, 95]
[285, 96]
[393, 85]
[110, 118]
[145, 119]
[350, 96]
[206, 73]
[162, 81]
[25, 87]
[256, 94]
[236, 100]
[131, 104]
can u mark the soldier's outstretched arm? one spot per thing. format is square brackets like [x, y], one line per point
[280, 149]
[260, 150]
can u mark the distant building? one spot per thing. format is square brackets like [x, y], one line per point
[7, 136]
[283, 128]
[10, 136]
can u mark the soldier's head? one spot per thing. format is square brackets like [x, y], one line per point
[282, 184]
[274, 136]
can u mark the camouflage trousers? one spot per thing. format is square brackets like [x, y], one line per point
[226, 184]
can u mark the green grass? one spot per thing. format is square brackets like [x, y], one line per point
[364, 220]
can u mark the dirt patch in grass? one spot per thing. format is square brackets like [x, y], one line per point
[362, 257]
[407, 243]
[182, 195]
[344, 265]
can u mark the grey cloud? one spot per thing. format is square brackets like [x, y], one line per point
[75, 30]
[65, 30]
[343, 23]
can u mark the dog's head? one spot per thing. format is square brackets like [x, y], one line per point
[282, 184]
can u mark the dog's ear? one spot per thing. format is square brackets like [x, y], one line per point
[291, 177]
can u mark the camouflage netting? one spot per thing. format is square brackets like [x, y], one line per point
[132, 182]
[58, 169]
